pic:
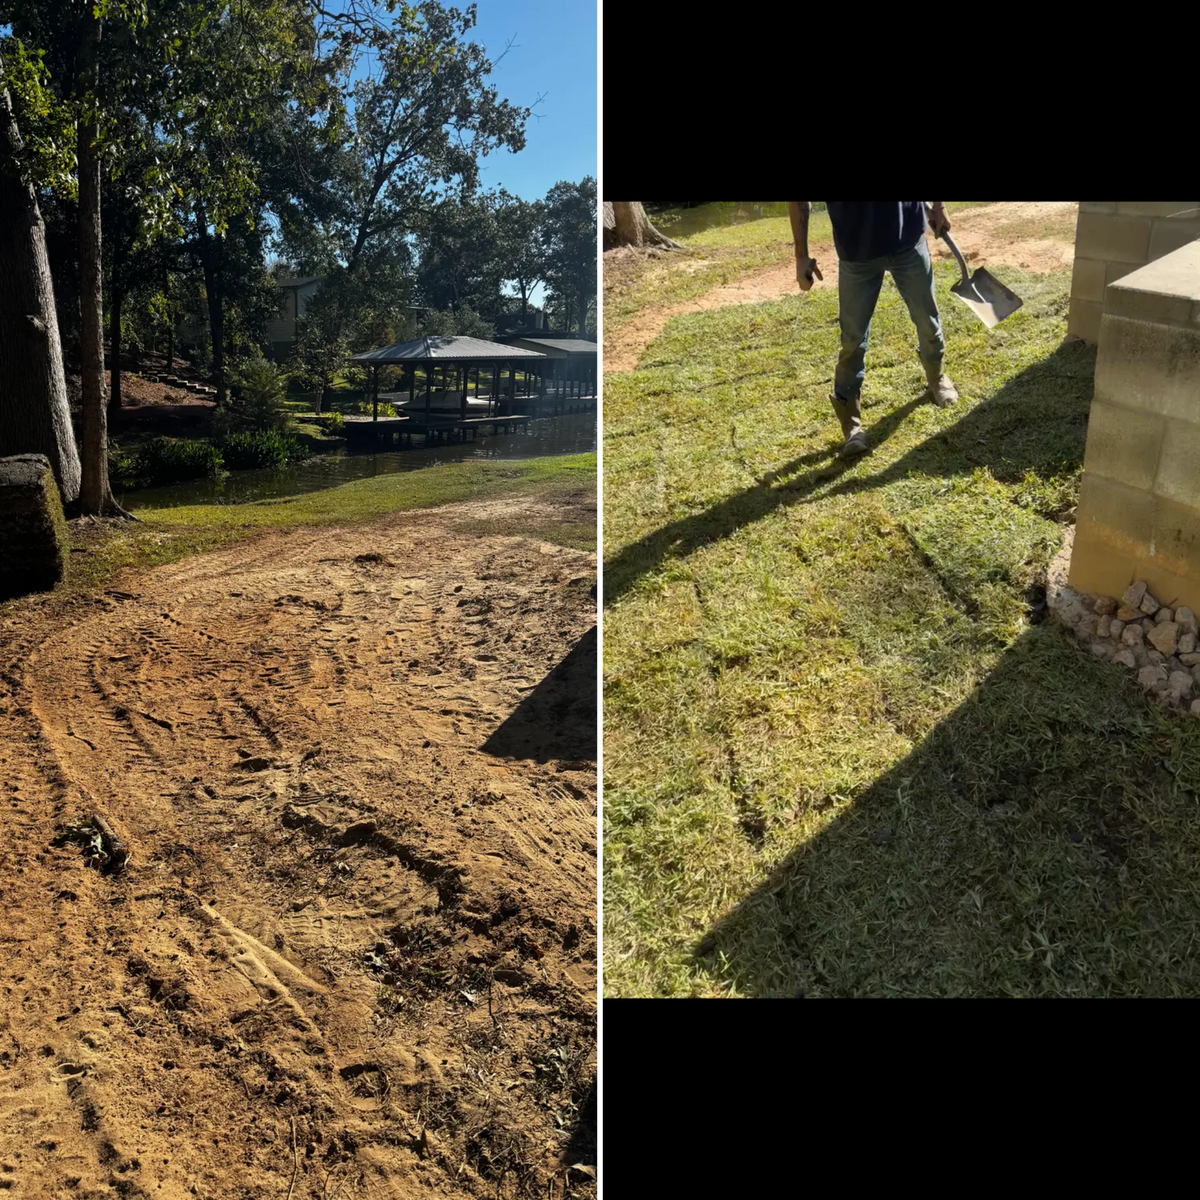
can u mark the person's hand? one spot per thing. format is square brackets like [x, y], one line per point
[937, 219]
[806, 268]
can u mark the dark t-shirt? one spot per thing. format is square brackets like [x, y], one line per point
[867, 229]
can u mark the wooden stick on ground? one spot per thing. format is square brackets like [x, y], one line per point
[295, 1160]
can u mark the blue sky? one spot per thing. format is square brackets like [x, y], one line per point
[555, 54]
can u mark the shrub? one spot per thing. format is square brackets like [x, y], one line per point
[260, 448]
[335, 423]
[257, 398]
[166, 460]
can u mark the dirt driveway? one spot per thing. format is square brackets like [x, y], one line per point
[1033, 235]
[354, 946]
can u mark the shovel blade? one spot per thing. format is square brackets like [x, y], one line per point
[987, 297]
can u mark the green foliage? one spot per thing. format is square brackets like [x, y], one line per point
[45, 121]
[260, 448]
[258, 399]
[569, 247]
[166, 460]
[335, 423]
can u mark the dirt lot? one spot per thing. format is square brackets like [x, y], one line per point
[1034, 235]
[353, 951]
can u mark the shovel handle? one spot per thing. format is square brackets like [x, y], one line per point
[945, 236]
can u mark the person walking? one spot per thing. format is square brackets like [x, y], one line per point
[872, 237]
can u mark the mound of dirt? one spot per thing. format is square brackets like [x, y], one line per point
[354, 944]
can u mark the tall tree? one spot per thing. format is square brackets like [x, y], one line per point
[521, 254]
[34, 415]
[95, 495]
[569, 243]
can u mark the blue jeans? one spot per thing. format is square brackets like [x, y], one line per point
[858, 290]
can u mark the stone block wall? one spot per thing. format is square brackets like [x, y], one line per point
[1139, 504]
[1113, 238]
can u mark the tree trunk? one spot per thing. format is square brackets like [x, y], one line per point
[626, 224]
[34, 414]
[216, 313]
[94, 493]
[114, 338]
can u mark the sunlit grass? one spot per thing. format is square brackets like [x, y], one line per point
[838, 758]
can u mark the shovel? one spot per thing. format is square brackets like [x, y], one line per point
[982, 292]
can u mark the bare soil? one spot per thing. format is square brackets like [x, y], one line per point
[353, 951]
[993, 234]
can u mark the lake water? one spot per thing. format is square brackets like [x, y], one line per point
[683, 222]
[570, 433]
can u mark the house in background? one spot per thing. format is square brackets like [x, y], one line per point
[284, 331]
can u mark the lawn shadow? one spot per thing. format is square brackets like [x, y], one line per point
[581, 1148]
[557, 720]
[1036, 421]
[1036, 842]
[776, 489]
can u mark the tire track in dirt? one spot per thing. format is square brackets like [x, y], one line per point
[990, 233]
[347, 915]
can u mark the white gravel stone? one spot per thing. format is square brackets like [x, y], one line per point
[1149, 605]
[1104, 626]
[1104, 650]
[1105, 606]
[1190, 659]
[1127, 613]
[1187, 641]
[1186, 619]
[1133, 635]
[1163, 614]
[1196, 706]
[1149, 676]
[1181, 682]
[1115, 628]
[1125, 658]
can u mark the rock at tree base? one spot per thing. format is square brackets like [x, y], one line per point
[34, 540]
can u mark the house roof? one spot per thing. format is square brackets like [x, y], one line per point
[570, 345]
[437, 348]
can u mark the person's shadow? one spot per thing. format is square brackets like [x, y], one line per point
[1036, 421]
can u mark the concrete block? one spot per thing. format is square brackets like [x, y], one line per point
[1122, 444]
[1157, 208]
[1115, 270]
[1147, 306]
[1084, 319]
[1175, 544]
[1174, 274]
[1178, 474]
[1097, 567]
[1097, 206]
[1119, 515]
[1166, 236]
[1088, 279]
[1149, 366]
[34, 540]
[1113, 238]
